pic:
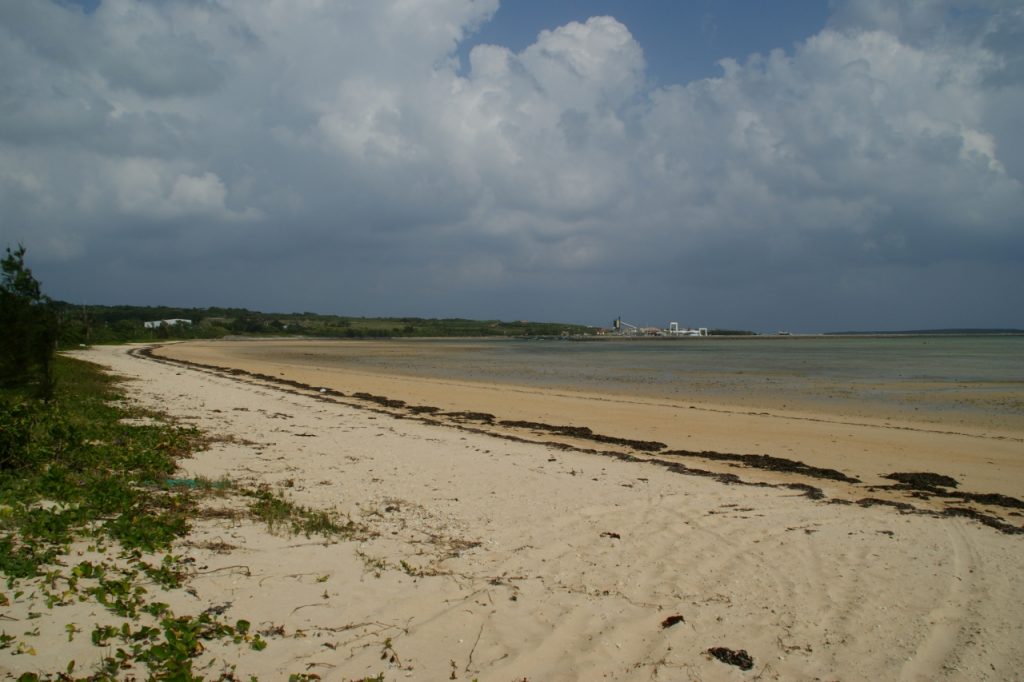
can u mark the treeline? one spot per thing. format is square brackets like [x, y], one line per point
[91, 324]
[730, 332]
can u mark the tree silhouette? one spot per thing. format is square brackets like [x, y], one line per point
[28, 328]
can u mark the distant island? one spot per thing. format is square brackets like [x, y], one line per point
[91, 324]
[103, 324]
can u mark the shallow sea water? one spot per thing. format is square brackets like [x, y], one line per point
[975, 380]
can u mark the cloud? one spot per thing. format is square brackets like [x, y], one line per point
[152, 191]
[342, 146]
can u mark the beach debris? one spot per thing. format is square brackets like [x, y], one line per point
[874, 501]
[471, 416]
[808, 491]
[672, 620]
[388, 653]
[925, 485]
[985, 519]
[218, 609]
[584, 433]
[768, 463]
[379, 399]
[992, 499]
[609, 534]
[964, 512]
[924, 480]
[741, 659]
[273, 631]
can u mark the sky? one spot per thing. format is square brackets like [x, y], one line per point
[802, 165]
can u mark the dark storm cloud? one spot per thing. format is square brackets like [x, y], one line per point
[335, 156]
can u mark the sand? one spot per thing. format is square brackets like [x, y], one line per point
[984, 459]
[498, 559]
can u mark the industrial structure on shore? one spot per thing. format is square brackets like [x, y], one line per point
[626, 329]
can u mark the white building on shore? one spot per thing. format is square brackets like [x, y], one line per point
[675, 330]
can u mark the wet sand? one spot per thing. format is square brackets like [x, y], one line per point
[984, 459]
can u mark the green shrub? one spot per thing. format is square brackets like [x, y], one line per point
[17, 418]
[29, 326]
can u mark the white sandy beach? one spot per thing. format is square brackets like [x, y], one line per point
[493, 559]
[987, 458]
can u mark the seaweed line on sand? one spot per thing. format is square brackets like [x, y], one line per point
[473, 422]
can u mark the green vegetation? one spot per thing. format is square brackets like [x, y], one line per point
[29, 328]
[88, 466]
[67, 463]
[79, 464]
[118, 324]
[275, 511]
[731, 332]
